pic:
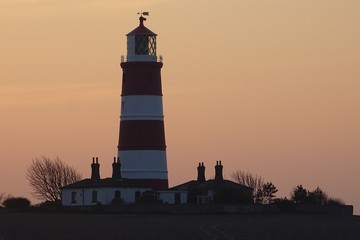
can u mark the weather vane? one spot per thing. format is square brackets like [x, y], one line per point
[143, 13]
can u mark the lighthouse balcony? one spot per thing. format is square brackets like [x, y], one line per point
[141, 58]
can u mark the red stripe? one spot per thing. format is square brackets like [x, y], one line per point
[141, 78]
[142, 135]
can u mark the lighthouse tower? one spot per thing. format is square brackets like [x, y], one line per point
[142, 149]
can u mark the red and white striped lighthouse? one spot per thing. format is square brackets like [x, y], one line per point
[142, 149]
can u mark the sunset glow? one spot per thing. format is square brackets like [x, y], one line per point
[270, 87]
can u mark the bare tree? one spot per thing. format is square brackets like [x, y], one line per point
[3, 197]
[248, 179]
[47, 176]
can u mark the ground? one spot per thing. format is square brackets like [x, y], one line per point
[81, 226]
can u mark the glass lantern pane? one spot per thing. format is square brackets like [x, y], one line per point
[145, 45]
[152, 45]
[141, 44]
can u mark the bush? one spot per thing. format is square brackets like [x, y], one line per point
[117, 201]
[50, 204]
[148, 198]
[317, 197]
[335, 201]
[16, 202]
[232, 196]
[285, 205]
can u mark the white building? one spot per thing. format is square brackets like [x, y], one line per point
[89, 192]
[94, 190]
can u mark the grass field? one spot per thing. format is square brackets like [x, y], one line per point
[68, 226]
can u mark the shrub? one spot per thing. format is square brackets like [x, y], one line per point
[335, 201]
[148, 198]
[232, 196]
[50, 204]
[317, 197]
[117, 201]
[16, 202]
[285, 205]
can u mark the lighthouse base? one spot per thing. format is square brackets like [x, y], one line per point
[155, 184]
[148, 167]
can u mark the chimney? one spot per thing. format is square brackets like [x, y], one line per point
[201, 172]
[95, 169]
[116, 173]
[218, 171]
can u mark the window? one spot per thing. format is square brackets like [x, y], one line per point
[141, 45]
[117, 195]
[177, 198]
[145, 45]
[73, 197]
[94, 196]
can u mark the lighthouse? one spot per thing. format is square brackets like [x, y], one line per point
[141, 148]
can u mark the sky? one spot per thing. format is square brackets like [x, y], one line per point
[268, 87]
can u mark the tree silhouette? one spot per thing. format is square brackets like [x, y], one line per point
[47, 176]
[317, 197]
[299, 194]
[248, 179]
[266, 194]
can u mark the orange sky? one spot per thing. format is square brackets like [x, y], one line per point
[270, 87]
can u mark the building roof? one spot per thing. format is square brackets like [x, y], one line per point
[106, 182]
[211, 185]
[141, 29]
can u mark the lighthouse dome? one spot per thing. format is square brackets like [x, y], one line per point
[141, 44]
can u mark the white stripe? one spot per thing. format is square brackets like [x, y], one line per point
[141, 107]
[143, 164]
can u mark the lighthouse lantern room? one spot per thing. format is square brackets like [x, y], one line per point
[141, 44]
[142, 149]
